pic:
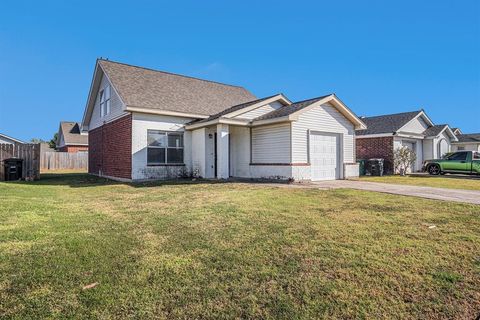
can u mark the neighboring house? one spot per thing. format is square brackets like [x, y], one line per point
[457, 131]
[4, 139]
[413, 129]
[147, 124]
[467, 142]
[70, 138]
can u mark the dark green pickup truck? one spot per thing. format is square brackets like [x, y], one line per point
[466, 162]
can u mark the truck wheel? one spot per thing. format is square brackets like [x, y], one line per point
[434, 169]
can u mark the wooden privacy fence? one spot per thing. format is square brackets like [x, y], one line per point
[29, 153]
[64, 160]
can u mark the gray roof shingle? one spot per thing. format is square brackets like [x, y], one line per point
[289, 109]
[71, 133]
[152, 89]
[434, 130]
[470, 137]
[388, 123]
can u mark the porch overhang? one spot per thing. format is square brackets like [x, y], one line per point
[235, 122]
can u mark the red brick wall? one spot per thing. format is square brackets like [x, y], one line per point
[110, 151]
[73, 149]
[381, 147]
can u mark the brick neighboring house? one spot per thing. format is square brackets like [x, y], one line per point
[414, 130]
[70, 138]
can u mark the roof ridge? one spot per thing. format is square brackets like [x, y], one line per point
[395, 114]
[171, 73]
[319, 97]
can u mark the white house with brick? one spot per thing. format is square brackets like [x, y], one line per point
[145, 124]
[414, 130]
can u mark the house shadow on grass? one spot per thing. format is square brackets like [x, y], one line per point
[85, 180]
[449, 176]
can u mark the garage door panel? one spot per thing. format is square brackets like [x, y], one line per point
[324, 156]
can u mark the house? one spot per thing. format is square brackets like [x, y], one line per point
[467, 142]
[414, 130]
[148, 124]
[70, 138]
[4, 139]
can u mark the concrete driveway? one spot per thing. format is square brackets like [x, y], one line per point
[465, 196]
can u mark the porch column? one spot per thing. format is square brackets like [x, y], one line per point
[223, 135]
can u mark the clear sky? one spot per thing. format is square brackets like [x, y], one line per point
[377, 56]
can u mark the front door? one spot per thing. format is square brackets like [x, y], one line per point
[456, 162]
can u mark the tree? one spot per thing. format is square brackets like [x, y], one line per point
[403, 158]
[53, 143]
[37, 140]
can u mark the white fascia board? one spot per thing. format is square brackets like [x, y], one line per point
[165, 112]
[410, 135]
[217, 121]
[278, 97]
[470, 142]
[374, 135]
[271, 121]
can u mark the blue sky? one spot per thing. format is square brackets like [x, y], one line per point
[377, 56]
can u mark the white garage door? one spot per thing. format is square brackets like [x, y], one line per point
[324, 156]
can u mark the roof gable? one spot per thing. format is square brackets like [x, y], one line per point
[5, 137]
[71, 134]
[389, 123]
[292, 111]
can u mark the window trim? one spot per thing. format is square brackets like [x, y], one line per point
[166, 163]
[105, 104]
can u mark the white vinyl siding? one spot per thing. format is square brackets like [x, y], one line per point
[271, 144]
[417, 125]
[260, 111]
[116, 110]
[324, 118]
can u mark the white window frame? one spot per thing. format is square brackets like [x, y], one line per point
[167, 133]
[105, 95]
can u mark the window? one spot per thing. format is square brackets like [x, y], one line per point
[458, 156]
[460, 148]
[105, 101]
[164, 147]
[476, 155]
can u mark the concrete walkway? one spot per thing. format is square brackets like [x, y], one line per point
[457, 195]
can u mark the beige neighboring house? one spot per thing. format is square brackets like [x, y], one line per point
[70, 138]
[4, 139]
[146, 124]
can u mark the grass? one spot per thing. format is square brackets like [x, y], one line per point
[449, 182]
[211, 250]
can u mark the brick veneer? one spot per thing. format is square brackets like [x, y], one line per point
[381, 147]
[73, 149]
[110, 151]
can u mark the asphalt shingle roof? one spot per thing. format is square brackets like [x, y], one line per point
[434, 130]
[470, 137]
[152, 89]
[388, 123]
[71, 133]
[289, 109]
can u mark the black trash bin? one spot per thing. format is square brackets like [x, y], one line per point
[374, 167]
[13, 169]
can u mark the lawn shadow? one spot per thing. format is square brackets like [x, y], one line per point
[84, 180]
[448, 175]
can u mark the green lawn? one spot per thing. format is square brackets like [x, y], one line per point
[232, 251]
[450, 182]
